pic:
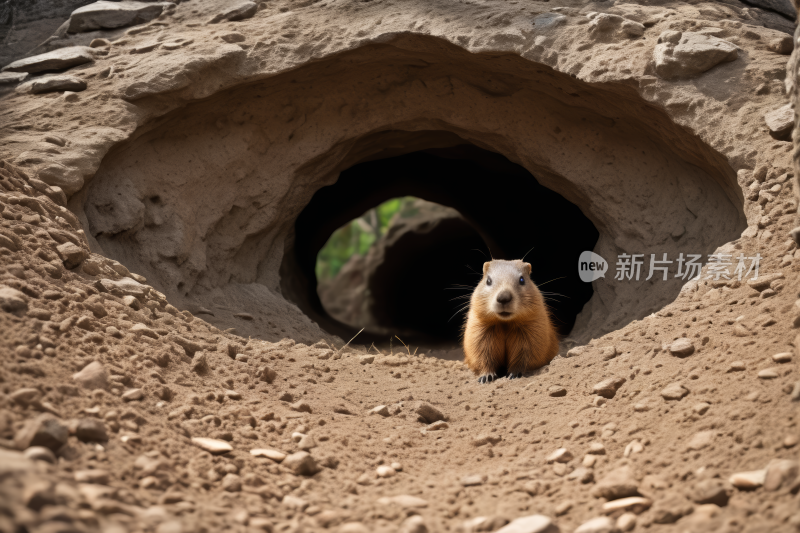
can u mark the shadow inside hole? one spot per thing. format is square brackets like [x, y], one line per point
[503, 204]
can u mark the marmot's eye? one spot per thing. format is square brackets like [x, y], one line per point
[521, 280]
[488, 281]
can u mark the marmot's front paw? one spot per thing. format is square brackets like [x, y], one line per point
[487, 378]
[514, 375]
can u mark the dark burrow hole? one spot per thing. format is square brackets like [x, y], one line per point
[506, 213]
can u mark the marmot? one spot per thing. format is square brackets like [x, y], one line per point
[508, 328]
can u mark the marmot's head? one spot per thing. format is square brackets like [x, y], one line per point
[506, 291]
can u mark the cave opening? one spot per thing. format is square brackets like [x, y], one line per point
[474, 205]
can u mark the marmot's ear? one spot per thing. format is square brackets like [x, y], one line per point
[486, 267]
[528, 267]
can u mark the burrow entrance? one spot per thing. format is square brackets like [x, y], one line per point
[223, 203]
[411, 280]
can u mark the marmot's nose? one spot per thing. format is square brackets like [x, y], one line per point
[504, 297]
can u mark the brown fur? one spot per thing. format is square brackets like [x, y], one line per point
[521, 342]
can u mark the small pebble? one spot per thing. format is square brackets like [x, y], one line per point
[748, 480]
[385, 471]
[40, 453]
[783, 357]
[213, 446]
[768, 373]
[473, 480]
[597, 448]
[561, 455]
[132, 395]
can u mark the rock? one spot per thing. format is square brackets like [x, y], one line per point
[674, 391]
[737, 366]
[482, 524]
[385, 471]
[104, 15]
[45, 430]
[91, 430]
[275, 455]
[530, 524]
[141, 329]
[473, 480]
[306, 443]
[561, 455]
[40, 453]
[608, 352]
[633, 504]
[301, 463]
[618, 483]
[626, 522]
[780, 121]
[199, 364]
[93, 376]
[437, 426]
[681, 348]
[783, 357]
[701, 439]
[213, 446]
[11, 78]
[601, 524]
[768, 373]
[688, 54]
[12, 300]
[60, 59]
[605, 23]
[51, 84]
[405, 501]
[633, 446]
[716, 491]
[132, 395]
[240, 11]
[428, 413]
[780, 473]
[413, 524]
[366, 359]
[582, 474]
[380, 410]
[232, 483]
[762, 283]
[701, 408]
[782, 45]
[556, 391]
[480, 440]
[301, 407]
[25, 396]
[670, 508]
[98, 477]
[608, 387]
[597, 448]
[125, 287]
[748, 480]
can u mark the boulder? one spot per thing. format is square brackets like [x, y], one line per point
[108, 15]
[51, 84]
[686, 55]
[60, 59]
[780, 121]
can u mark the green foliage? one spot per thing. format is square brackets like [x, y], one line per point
[358, 235]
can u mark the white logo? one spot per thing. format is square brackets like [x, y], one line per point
[591, 267]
